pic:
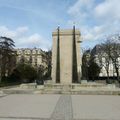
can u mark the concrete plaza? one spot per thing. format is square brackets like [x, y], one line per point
[59, 107]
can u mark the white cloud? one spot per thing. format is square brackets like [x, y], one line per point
[108, 9]
[35, 40]
[22, 29]
[22, 39]
[94, 33]
[81, 7]
[96, 19]
[4, 31]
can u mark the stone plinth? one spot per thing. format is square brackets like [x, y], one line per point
[28, 86]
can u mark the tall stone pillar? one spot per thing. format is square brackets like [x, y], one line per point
[66, 62]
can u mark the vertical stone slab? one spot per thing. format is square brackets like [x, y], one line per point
[79, 59]
[54, 57]
[66, 57]
[74, 58]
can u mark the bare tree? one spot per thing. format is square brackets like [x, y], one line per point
[114, 42]
[102, 58]
[109, 53]
[106, 57]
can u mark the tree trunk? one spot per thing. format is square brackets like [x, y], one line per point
[107, 76]
[118, 79]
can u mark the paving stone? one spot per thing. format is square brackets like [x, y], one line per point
[59, 107]
[27, 106]
[63, 109]
[96, 107]
[22, 118]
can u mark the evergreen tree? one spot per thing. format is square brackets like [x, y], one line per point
[7, 56]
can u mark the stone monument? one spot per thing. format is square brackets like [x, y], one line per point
[66, 61]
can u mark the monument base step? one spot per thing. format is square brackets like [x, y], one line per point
[81, 89]
[78, 86]
[15, 91]
[84, 88]
[72, 92]
[84, 92]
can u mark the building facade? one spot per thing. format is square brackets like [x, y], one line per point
[33, 56]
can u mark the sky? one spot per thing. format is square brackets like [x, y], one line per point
[30, 23]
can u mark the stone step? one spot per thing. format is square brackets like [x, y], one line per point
[8, 91]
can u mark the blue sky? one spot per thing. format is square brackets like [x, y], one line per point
[30, 22]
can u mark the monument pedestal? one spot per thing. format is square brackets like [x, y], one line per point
[66, 62]
[66, 67]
